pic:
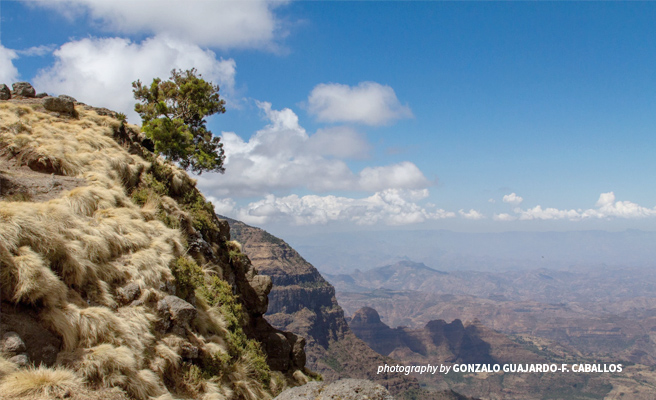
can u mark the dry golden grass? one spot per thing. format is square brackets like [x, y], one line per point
[68, 256]
[38, 382]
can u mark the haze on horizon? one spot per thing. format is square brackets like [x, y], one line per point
[384, 116]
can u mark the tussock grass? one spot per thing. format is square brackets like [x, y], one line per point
[38, 382]
[127, 223]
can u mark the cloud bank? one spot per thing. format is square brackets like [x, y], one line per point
[282, 156]
[391, 207]
[100, 71]
[223, 24]
[606, 207]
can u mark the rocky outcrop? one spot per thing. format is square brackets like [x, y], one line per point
[437, 342]
[5, 93]
[23, 89]
[344, 389]
[302, 302]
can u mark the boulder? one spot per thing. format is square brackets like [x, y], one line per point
[180, 311]
[24, 89]
[13, 343]
[344, 389]
[41, 95]
[5, 93]
[59, 105]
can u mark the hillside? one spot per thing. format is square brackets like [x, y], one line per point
[118, 280]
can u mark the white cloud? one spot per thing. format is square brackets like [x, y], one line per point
[282, 156]
[607, 207]
[8, 73]
[37, 50]
[368, 103]
[491, 200]
[503, 217]
[471, 214]
[339, 142]
[101, 71]
[546, 214]
[402, 175]
[225, 24]
[391, 207]
[513, 199]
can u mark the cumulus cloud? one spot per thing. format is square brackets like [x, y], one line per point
[513, 199]
[369, 103]
[100, 71]
[471, 214]
[225, 24]
[606, 207]
[283, 156]
[391, 207]
[503, 217]
[401, 175]
[8, 73]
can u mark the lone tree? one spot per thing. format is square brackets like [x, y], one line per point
[173, 114]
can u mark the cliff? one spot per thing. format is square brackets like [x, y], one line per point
[117, 279]
[302, 302]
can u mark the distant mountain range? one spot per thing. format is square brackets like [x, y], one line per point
[578, 284]
[597, 311]
[344, 252]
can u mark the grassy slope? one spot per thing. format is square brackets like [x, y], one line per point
[133, 220]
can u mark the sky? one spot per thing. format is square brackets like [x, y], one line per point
[368, 115]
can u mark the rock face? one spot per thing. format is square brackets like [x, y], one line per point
[302, 302]
[23, 89]
[344, 389]
[438, 341]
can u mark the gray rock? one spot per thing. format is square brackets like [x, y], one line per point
[129, 292]
[5, 93]
[24, 89]
[278, 350]
[164, 322]
[309, 391]
[67, 97]
[59, 105]
[261, 285]
[41, 95]
[181, 312]
[344, 389]
[13, 343]
[21, 360]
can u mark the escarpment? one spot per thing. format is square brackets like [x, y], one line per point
[118, 280]
[303, 302]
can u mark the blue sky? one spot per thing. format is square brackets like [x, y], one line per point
[472, 116]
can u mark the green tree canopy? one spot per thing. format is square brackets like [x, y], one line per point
[173, 116]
